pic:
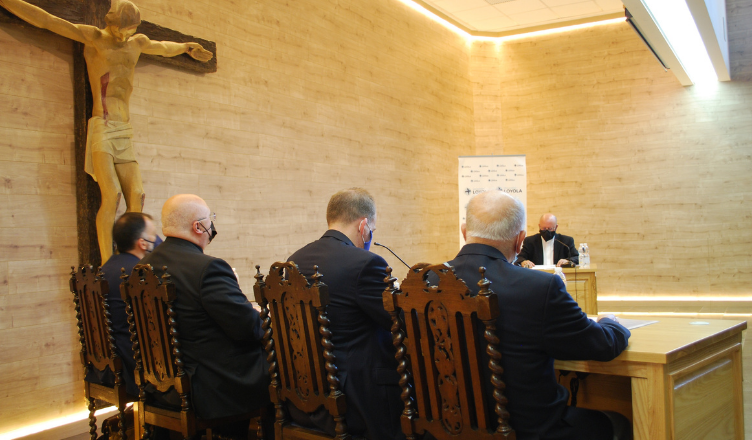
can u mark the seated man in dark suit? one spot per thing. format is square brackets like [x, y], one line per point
[134, 234]
[548, 247]
[359, 324]
[220, 332]
[539, 322]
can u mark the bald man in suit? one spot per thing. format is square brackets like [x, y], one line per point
[220, 331]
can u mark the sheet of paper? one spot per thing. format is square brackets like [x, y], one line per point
[630, 324]
[544, 267]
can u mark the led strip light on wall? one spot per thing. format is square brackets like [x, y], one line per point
[670, 19]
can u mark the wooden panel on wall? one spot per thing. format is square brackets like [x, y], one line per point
[739, 14]
[39, 370]
[309, 100]
[485, 72]
[652, 175]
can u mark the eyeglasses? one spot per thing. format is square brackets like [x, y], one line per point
[212, 217]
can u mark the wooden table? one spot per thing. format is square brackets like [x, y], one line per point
[676, 380]
[582, 286]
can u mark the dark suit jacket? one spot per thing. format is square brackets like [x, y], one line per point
[360, 332]
[532, 249]
[120, 330]
[539, 322]
[220, 332]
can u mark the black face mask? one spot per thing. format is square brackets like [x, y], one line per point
[547, 235]
[213, 232]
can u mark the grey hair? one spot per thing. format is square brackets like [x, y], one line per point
[495, 215]
[349, 205]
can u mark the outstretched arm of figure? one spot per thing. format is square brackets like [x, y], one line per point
[172, 49]
[43, 19]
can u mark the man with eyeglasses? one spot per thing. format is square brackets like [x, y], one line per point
[360, 326]
[547, 247]
[220, 331]
[135, 235]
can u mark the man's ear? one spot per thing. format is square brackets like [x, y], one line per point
[463, 229]
[518, 241]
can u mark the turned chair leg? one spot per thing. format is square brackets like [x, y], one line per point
[146, 434]
[92, 419]
[121, 423]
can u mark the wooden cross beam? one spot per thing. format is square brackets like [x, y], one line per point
[92, 12]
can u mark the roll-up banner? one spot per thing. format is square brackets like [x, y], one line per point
[481, 173]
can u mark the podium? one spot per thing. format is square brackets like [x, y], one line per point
[582, 286]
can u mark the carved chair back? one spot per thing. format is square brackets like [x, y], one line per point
[299, 351]
[446, 329]
[89, 288]
[154, 332]
[153, 324]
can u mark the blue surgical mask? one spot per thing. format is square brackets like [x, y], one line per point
[367, 244]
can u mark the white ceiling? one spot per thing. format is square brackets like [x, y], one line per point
[509, 15]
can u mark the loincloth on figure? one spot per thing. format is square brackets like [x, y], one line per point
[112, 137]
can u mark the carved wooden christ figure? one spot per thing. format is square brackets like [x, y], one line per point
[111, 56]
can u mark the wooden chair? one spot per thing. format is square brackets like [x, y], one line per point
[98, 351]
[439, 355]
[301, 356]
[154, 329]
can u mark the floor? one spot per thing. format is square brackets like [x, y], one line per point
[747, 360]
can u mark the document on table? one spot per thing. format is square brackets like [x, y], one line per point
[630, 324]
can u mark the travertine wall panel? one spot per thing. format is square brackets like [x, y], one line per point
[739, 13]
[38, 362]
[652, 175]
[485, 72]
[310, 97]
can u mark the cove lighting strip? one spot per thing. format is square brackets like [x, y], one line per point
[680, 314]
[612, 298]
[418, 8]
[54, 423]
[554, 30]
[451, 26]
[678, 27]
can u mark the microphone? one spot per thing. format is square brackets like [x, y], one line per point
[403, 261]
[569, 253]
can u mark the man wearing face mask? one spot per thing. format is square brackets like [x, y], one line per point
[538, 322]
[548, 247]
[220, 332]
[359, 324]
[134, 234]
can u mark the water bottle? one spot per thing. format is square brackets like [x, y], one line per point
[560, 274]
[584, 255]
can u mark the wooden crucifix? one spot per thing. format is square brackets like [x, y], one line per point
[103, 35]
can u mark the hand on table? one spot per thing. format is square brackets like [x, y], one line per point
[609, 316]
[562, 262]
[528, 264]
